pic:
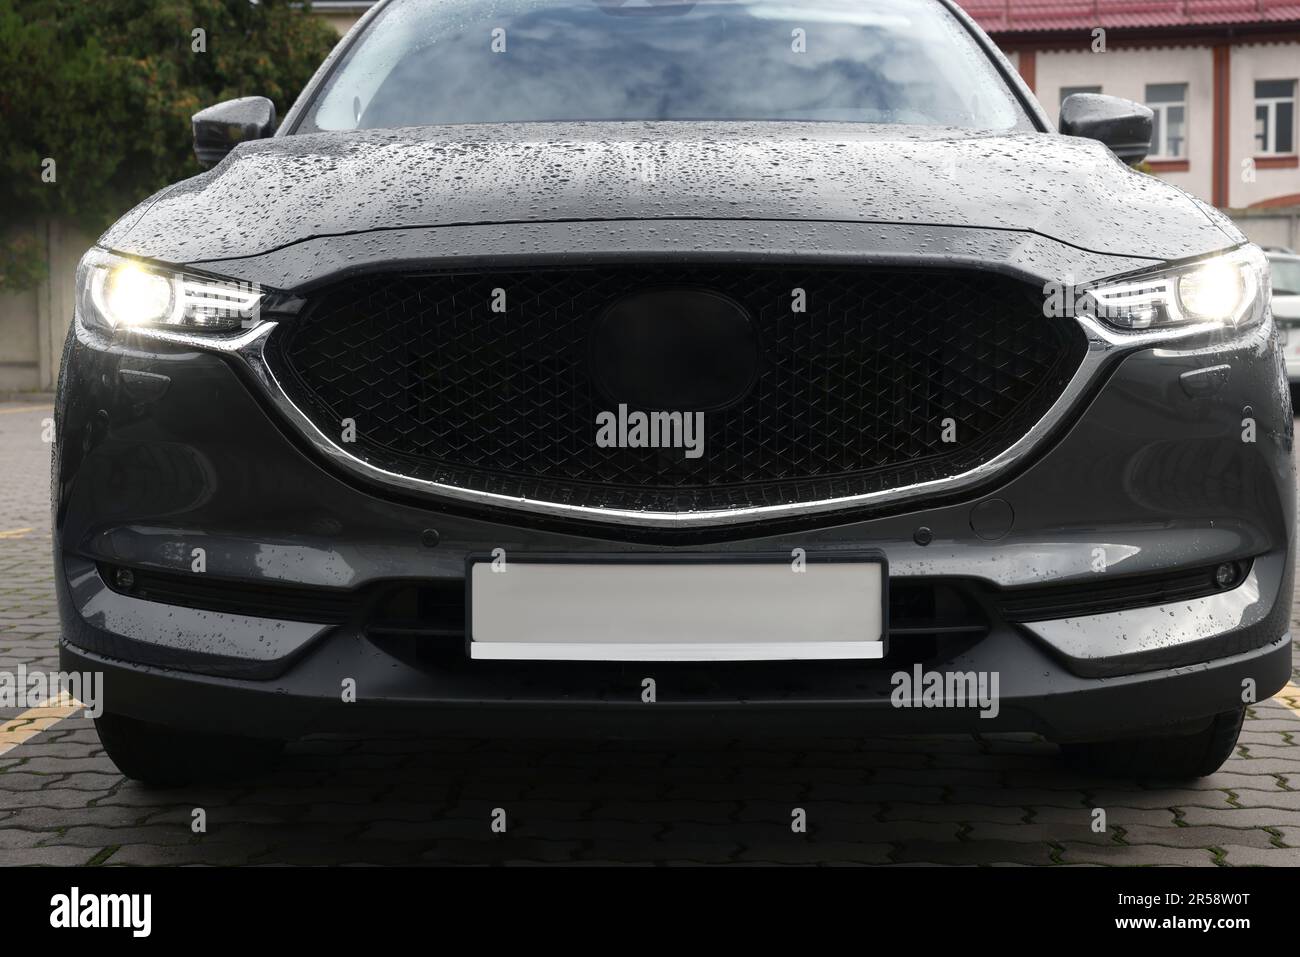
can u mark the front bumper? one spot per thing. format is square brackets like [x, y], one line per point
[556, 699]
[165, 453]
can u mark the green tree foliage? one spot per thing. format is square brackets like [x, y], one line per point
[106, 89]
[22, 261]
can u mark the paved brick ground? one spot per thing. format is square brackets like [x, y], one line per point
[944, 800]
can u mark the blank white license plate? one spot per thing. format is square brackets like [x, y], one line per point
[625, 609]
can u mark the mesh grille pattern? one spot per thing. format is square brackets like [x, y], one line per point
[850, 396]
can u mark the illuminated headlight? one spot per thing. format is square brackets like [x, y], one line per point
[115, 293]
[1228, 291]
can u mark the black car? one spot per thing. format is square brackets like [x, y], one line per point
[580, 367]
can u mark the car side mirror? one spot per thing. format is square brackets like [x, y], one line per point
[219, 129]
[1121, 124]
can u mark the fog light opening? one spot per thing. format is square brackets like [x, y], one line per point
[1227, 575]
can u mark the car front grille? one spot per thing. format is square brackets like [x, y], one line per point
[887, 378]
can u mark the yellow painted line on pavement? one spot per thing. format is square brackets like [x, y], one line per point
[15, 533]
[1290, 697]
[27, 408]
[35, 720]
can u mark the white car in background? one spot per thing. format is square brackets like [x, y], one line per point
[1285, 267]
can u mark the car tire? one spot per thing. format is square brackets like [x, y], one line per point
[1169, 757]
[165, 757]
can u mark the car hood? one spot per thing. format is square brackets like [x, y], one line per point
[274, 193]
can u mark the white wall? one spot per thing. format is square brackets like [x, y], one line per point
[1274, 61]
[20, 353]
[1270, 228]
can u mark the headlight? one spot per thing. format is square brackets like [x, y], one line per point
[1229, 291]
[118, 293]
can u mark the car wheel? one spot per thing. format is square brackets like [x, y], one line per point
[1181, 756]
[169, 757]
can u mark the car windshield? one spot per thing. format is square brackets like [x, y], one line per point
[426, 62]
[1286, 276]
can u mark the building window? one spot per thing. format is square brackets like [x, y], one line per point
[1168, 101]
[1069, 91]
[1275, 116]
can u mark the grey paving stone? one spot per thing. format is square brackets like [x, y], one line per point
[1043, 832]
[1284, 800]
[1197, 836]
[1240, 856]
[1290, 835]
[762, 810]
[1011, 797]
[1272, 757]
[669, 812]
[1115, 815]
[52, 818]
[20, 839]
[353, 852]
[65, 855]
[1109, 797]
[1241, 817]
[68, 798]
[98, 836]
[974, 852]
[1002, 813]
[469, 828]
[1075, 852]
[817, 852]
[171, 855]
[23, 781]
[65, 765]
